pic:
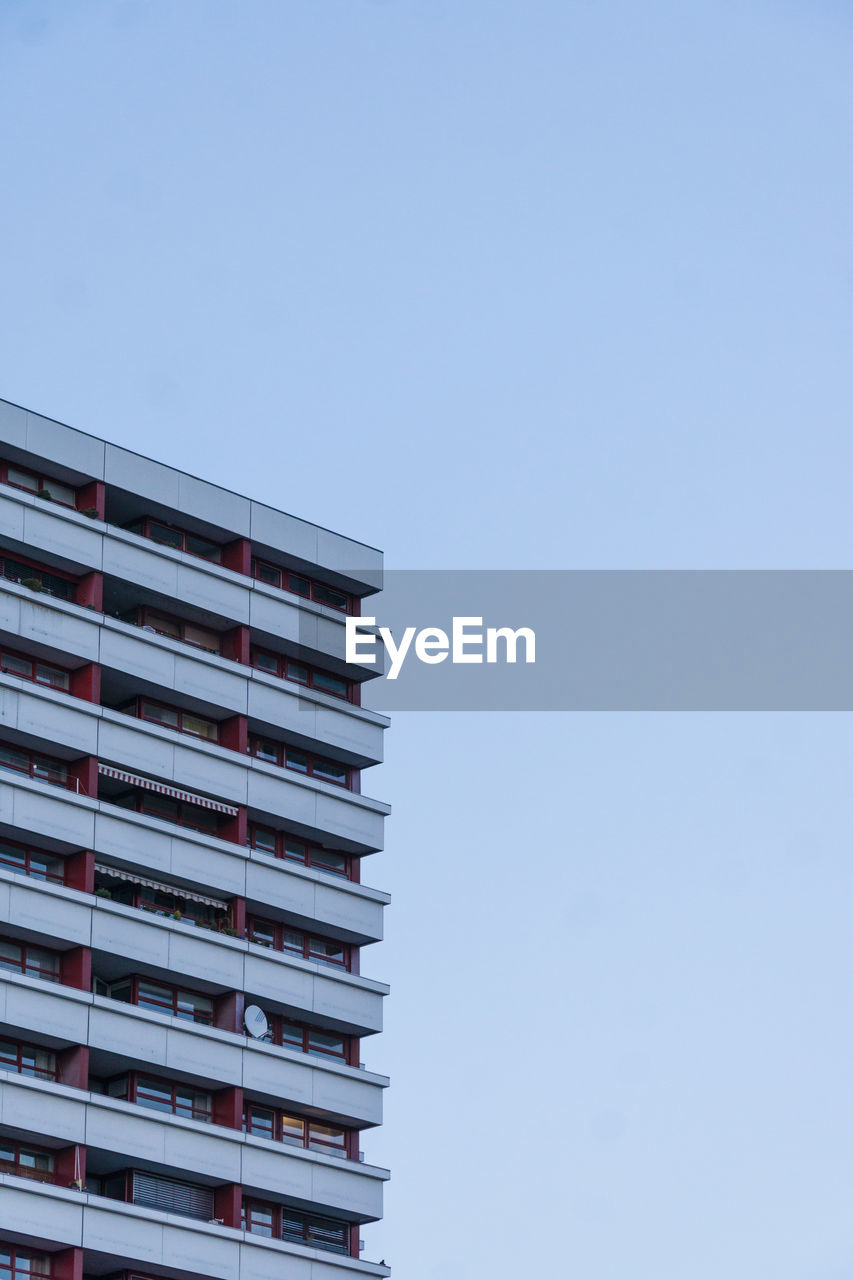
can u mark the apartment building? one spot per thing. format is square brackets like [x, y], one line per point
[186, 1021]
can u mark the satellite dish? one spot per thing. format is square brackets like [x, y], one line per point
[255, 1022]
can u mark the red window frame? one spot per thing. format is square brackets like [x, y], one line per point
[286, 758]
[54, 581]
[21, 1049]
[27, 855]
[299, 584]
[283, 1223]
[142, 527]
[173, 1001]
[144, 703]
[278, 933]
[28, 967]
[35, 663]
[291, 849]
[148, 617]
[19, 1170]
[347, 1149]
[14, 1271]
[169, 1005]
[135, 1087]
[37, 766]
[288, 1033]
[43, 483]
[186, 813]
[285, 668]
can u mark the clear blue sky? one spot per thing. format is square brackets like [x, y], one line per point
[507, 285]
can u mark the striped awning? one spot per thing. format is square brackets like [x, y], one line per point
[116, 874]
[136, 780]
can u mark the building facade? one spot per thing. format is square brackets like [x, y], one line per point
[185, 1074]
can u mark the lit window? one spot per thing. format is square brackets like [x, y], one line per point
[295, 1131]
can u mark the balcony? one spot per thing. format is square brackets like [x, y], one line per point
[218, 867]
[147, 1238]
[78, 545]
[124, 938]
[267, 1072]
[190, 1148]
[62, 725]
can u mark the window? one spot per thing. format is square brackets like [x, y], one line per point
[281, 845]
[183, 812]
[309, 946]
[295, 1131]
[34, 962]
[291, 758]
[259, 1218]
[64, 494]
[163, 1095]
[310, 1039]
[27, 1060]
[53, 584]
[31, 862]
[25, 1161]
[16, 664]
[173, 1001]
[187, 1005]
[284, 1223]
[174, 628]
[316, 1233]
[276, 664]
[179, 539]
[171, 1196]
[181, 721]
[21, 1264]
[33, 765]
[299, 585]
